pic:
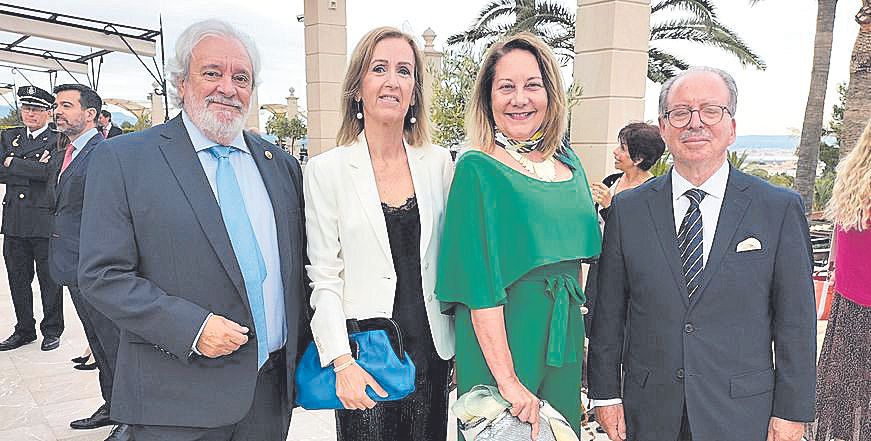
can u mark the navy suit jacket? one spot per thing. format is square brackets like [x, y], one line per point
[712, 352]
[69, 193]
[156, 259]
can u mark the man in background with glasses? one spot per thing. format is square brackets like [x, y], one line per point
[27, 220]
[714, 268]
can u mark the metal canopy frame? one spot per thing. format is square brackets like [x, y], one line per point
[102, 37]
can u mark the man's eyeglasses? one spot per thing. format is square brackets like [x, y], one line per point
[709, 114]
[29, 109]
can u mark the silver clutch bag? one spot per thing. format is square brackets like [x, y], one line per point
[484, 416]
[507, 427]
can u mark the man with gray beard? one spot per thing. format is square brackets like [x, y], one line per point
[192, 242]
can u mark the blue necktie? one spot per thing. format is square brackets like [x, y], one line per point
[689, 240]
[244, 243]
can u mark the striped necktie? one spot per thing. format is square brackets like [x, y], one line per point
[244, 243]
[689, 240]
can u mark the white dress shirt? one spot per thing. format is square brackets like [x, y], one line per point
[715, 189]
[82, 141]
[37, 132]
[262, 216]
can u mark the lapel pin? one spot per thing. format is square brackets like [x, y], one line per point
[268, 154]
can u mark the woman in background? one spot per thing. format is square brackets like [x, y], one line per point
[844, 368]
[640, 148]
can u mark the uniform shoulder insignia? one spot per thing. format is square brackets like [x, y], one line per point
[15, 142]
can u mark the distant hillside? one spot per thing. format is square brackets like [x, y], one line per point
[754, 142]
[119, 118]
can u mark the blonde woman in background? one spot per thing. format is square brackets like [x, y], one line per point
[844, 368]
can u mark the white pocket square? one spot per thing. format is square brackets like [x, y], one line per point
[749, 244]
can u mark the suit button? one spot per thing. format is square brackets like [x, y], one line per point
[20, 195]
[679, 374]
[689, 328]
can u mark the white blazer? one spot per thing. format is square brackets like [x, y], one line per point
[351, 266]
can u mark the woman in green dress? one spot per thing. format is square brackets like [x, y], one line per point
[519, 222]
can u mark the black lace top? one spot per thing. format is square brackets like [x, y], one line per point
[409, 310]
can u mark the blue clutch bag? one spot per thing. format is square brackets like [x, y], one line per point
[376, 345]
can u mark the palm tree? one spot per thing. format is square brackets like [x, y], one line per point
[811, 129]
[858, 107]
[688, 20]
[700, 26]
[551, 21]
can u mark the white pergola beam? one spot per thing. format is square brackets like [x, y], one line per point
[86, 37]
[41, 62]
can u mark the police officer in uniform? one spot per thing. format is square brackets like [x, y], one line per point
[27, 217]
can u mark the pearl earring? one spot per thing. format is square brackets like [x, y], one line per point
[359, 110]
[413, 119]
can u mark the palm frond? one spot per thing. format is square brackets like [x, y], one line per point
[491, 12]
[701, 9]
[662, 65]
[494, 10]
[473, 36]
[713, 34]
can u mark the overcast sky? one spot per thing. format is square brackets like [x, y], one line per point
[770, 102]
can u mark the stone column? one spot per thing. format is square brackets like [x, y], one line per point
[158, 111]
[611, 42]
[252, 122]
[292, 104]
[325, 52]
[433, 60]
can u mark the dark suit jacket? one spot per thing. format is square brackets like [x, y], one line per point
[69, 192]
[114, 131]
[712, 352]
[156, 259]
[29, 200]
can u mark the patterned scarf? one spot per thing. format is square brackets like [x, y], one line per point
[534, 143]
[514, 145]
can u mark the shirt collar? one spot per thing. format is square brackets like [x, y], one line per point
[715, 185]
[201, 142]
[37, 132]
[83, 139]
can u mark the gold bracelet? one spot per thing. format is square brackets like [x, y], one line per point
[343, 366]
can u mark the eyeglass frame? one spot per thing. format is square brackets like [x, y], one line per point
[32, 109]
[724, 111]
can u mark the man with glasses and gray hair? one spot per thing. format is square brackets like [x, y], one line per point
[705, 326]
[193, 242]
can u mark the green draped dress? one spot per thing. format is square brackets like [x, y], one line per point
[516, 241]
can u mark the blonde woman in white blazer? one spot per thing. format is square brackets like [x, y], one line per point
[374, 212]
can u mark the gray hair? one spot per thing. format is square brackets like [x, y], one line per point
[727, 79]
[178, 67]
